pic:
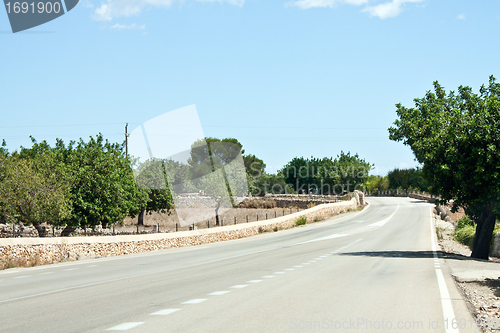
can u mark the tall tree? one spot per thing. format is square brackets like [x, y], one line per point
[456, 136]
[34, 191]
[150, 176]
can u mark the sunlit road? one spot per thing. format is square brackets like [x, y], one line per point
[369, 271]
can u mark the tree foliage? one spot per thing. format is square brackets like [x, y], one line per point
[407, 179]
[325, 175]
[456, 136]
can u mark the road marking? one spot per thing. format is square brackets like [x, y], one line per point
[21, 277]
[239, 286]
[125, 326]
[306, 263]
[70, 269]
[219, 293]
[92, 265]
[310, 261]
[289, 269]
[195, 301]
[298, 266]
[448, 313]
[268, 276]
[279, 272]
[164, 312]
[254, 281]
[45, 273]
[323, 256]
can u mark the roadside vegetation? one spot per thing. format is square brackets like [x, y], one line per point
[455, 136]
[90, 184]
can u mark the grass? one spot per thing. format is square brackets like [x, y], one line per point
[301, 221]
[466, 230]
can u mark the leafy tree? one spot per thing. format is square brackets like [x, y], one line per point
[104, 190]
[326, 175]
[254, 166]
[376, 183]
[216, 169]
[407, 178]
[151, 178]
[34, 191]
[456, 136]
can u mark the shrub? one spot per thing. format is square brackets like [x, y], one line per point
[464, 221]
[465, 235]
[301, 221]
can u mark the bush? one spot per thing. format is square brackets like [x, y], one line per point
[464, 221]
[465, 235]
[301, 221]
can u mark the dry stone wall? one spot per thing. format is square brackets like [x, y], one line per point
[39, 251]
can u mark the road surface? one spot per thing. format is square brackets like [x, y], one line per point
[368, 271]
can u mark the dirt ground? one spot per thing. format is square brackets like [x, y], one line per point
[167, 223]
[483, 295]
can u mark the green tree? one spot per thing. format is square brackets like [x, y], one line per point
[456, 136]
[407, 178]
[150, 177]
[34, 191]
[104, 190]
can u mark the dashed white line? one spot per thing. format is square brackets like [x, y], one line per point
[164, 312]
[254, 281]
[323, 256]
[268, 276]
[310, 261]
[279, 273]
[92, 265]
[45, 273]
[306, 263]
[239, 286]
[289, 269]
[219, 293]
[195, 301]
[21, 277]
[125, 326]
[70, 269]
[298, 266]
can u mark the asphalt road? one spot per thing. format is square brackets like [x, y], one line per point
[369, 271]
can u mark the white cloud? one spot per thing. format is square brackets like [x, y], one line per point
[124, 8]
[306, 4]
[128, 27]
[388, 9]
[461, 17]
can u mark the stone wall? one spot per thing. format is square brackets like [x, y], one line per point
[39, 251]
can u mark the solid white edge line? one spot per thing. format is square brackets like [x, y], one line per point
[448, 313]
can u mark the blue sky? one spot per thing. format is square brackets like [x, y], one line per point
[286, 78]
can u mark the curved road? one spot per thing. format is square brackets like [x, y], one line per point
[368, 271]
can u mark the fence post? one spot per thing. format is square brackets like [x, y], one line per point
[137, 228]
[235, 220]
[114, 232]
[208, 224]
[176, 227]
[193, 225]
[274, 214]
[257, 217]
[158, 228]
[266, 216]
[247, 218]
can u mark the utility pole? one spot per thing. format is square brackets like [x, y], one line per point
[126, 140]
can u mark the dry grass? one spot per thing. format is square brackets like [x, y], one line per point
[168, 222]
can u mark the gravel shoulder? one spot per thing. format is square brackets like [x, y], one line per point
[477, 280]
